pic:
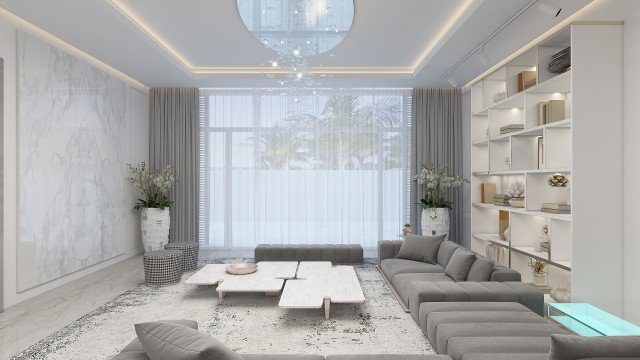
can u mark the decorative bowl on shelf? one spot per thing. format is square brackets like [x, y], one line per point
[242, 268]
[516, 203]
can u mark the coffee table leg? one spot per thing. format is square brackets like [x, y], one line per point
[220, 295]
[327, 308]
[271, 293]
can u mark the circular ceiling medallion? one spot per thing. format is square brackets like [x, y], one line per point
[298, 27]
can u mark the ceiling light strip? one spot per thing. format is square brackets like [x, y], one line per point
[561, 25]
[489, 38]
[32, 29]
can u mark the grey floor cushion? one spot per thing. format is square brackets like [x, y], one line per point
[572, 347]
[460, 346]
[460, 264]
[395, 266]
[403, 283]
[435, 319]
[421, 248]
[448, 331]
[136, 346]
[166, 341]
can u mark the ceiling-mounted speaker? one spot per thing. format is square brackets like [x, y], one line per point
[549, 9]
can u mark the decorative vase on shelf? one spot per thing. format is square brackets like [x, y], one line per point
[435, 221]
[154, 223]
[540, 279]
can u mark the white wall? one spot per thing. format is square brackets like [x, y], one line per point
[130, 245]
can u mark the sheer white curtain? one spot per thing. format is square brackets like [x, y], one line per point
[327, 167]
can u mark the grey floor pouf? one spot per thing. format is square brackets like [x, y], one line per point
[190, 251]
[163, 267]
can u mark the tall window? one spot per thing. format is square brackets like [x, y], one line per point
[329, 167]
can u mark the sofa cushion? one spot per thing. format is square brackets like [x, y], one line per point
[421, 248]
[572, 347]
[445, 252]
[165, 341]
[433, 320]
[480, 270]
[136, 346]
[403, 283]
[460, 264]
[448, 331]
[459, 346]
[395, 266]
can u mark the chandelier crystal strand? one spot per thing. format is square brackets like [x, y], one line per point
[296, 30]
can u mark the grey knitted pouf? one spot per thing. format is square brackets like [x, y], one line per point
[163, 267]
[190, 251]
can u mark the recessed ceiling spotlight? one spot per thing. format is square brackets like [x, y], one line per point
[483, 56]
[299, 76]
[274, 64]
[549, 9]
[296, 52]
[452, 81]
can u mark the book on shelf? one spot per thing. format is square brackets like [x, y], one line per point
[542, 113]
[553, 206]
[550, 111]
[501, 197]
[511, 128]
[555, 211]
[526, 79]
[487, 191]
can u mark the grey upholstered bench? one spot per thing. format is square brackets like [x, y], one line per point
[337, 254]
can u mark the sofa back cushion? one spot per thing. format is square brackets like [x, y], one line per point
[445, 252]
[166, 341]
[573, 347]
[420, 248]
[481, 270]
[460, 264]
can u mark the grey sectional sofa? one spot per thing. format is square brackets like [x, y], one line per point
[416, 282]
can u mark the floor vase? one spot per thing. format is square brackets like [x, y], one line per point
[435, 221]
[154, 224]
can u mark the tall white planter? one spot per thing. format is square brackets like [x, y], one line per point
[435, 221]
[154, 224]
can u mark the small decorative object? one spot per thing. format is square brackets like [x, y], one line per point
[495, 252]
[516, 194]
[503, 223]
[507, 234]
[507, 162]
[499, 96]
[511, 128]
[538, 270]
[242, 268]
[561, 295]
[154, 185]
[501, 200]
[542, 243]
[540, 152]
[435, 207]
[406, 229]
[559, 183]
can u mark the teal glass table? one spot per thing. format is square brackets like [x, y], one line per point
[587, 320]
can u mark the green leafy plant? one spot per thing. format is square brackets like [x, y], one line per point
[154, 185]
[437, 182]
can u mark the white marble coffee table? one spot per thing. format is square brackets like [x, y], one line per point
[269, 278]
[319, 284]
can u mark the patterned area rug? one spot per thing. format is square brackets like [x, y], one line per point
[248, 323]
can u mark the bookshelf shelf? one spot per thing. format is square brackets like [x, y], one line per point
[562, 132]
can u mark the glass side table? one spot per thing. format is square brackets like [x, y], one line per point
[587, 320]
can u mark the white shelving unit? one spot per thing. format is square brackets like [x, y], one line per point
[584, 146]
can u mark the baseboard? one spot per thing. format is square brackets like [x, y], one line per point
[393, 290]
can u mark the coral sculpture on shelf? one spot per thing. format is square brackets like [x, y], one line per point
[558, 180]
[537, 266]
[517, 190]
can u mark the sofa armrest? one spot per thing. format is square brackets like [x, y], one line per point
[388, 249]
[503, 274]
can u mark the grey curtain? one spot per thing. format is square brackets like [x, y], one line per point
[436, 138]
[173, 140]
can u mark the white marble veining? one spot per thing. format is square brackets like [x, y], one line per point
[269, 277]
[73, 146]
[320, 281]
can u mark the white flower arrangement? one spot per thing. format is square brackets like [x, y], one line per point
[154, 185]
[436, 182]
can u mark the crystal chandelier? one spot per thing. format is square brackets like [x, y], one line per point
[296, 30]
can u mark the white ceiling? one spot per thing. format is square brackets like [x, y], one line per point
[203, 43]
